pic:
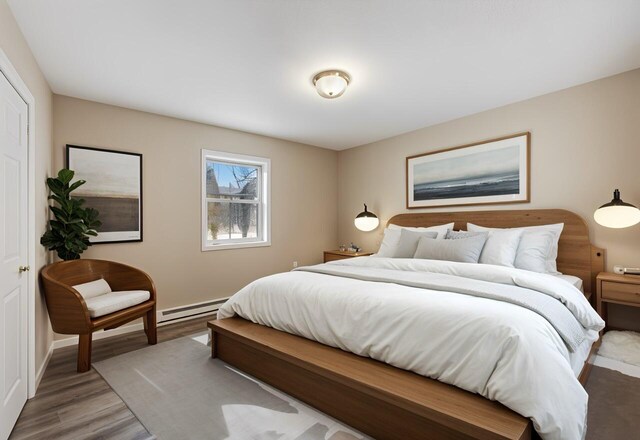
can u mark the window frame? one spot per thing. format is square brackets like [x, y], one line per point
[263, 221]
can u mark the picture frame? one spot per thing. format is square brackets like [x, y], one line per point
[114, 188]
[495, 171]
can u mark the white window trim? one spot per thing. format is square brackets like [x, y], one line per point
[265, 186]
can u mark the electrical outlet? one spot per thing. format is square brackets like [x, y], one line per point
[295, 264]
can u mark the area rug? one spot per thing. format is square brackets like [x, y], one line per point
[614, 405]
[621, 346]
[178, 391]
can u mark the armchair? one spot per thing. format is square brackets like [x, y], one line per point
[68, 310]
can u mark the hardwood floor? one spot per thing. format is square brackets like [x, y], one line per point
[70, 405]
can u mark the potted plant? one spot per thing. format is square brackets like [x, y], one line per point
[69, 232]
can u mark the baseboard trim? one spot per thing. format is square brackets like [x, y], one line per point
[43, 368]
[73, 340]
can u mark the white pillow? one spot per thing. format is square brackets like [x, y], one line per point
[389, 243]
[534, 250]
[408, 242]
[392, 237]
[462, 249]
[501, 247]
[534, 246]
[93, 288]
[440, 229]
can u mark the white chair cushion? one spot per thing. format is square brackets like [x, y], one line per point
[114, 301]
[93, 288]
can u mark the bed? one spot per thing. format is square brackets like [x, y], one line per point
[400, 402]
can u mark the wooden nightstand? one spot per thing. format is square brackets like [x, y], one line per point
[618, 289]
[341, 255]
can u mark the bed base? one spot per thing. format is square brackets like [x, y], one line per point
[379, 400]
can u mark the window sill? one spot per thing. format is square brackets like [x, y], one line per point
[226, 246]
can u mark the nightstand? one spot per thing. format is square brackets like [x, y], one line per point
[341, 255]
[618, 289]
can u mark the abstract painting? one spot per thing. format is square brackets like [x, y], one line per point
[489, 172]
[114, 188]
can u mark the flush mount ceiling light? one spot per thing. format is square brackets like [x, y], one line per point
[331, 84]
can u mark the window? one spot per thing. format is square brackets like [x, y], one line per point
[235, 208]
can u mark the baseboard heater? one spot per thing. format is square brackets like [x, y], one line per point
[190, 311]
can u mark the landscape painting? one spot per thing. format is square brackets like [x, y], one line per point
[114, 188]
[494, 171]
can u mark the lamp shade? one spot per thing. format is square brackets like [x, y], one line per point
[617, 214]
[366, 221]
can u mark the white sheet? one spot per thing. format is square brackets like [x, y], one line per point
[575, 281]
[499, 350]
[579, 356]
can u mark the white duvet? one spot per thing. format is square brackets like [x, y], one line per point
[500, 350]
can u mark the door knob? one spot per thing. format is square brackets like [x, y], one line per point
[23, 269]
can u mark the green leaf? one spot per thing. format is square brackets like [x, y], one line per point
[56, 224]
[55, 185]
[65, 176]
[76, 185]
[56, 198]
[59, 213]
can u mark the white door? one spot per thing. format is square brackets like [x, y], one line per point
[13, 256]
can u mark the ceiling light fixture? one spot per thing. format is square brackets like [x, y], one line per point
[331, 84]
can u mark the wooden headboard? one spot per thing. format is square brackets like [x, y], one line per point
[576, 255]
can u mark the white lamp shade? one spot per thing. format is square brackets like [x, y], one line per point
[617, 214]
[366, 221]
[366, 224]
[331, 84]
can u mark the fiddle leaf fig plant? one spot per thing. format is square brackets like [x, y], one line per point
[69, 232]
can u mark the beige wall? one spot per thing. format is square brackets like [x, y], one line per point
[15, 47]
[303, 210]
[585, 142]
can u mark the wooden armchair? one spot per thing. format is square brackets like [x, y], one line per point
[69, 313]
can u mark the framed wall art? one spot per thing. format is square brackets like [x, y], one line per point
[489, 172]
[114, 188]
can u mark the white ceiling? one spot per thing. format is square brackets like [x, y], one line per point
[248, 64]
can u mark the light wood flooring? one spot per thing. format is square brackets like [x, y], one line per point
[69, 405]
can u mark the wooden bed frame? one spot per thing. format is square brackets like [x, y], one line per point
[387, 402]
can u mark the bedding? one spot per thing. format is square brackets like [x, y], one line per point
[501, 247]
[574, 281]
[440, 229]
[458, 323]
[454, 235]
[580, 355]
[392, 237]
[535, 252]
[464, 249]
[408, 242]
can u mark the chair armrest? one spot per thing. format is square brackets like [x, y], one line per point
[123, 277]
[67, 310]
